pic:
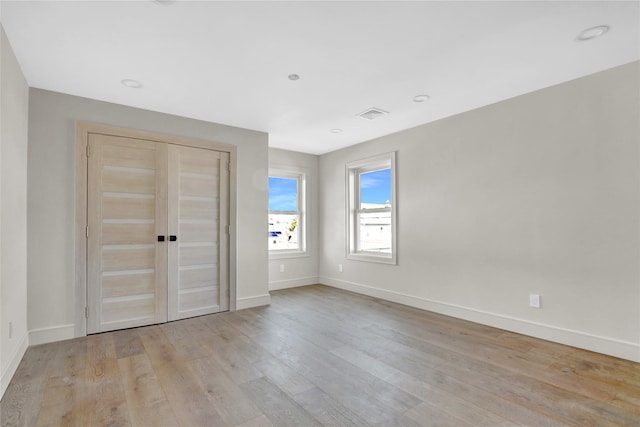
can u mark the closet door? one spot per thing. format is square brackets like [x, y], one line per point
[127, 210]
[198, 220]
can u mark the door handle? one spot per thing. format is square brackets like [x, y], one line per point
[173, 238]
[160, 238]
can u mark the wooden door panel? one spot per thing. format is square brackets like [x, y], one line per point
[206, 210]
[137, 156]
[119, 312]
[128, 257]
[191, 301]
[195, 233]
[128, 233]
[196, 267]
[135, 181]
[118, 207]
[201, 276]
[136, 283]
[198, 255]
[198, 186]
[196, 161]
[126, 211]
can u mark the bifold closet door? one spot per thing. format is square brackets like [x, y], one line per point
[198, 221]
[127, 210]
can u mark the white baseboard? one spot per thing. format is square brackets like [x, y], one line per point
[14, 362]
[293, 283]
[255, 301]
[51, 334]
[613, 347]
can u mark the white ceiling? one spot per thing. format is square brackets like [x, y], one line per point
[228, 62]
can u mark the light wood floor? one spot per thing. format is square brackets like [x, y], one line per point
[320, 356]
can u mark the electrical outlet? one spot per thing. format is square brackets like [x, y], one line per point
[534, 300]
[339, 268]
[281, 268]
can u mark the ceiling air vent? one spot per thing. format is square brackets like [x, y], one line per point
[373, 113]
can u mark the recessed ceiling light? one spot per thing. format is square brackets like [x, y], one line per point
[421, 98]
[293, 77]
[133, 84]
[336, 130]
[164, 2]
[593, 32]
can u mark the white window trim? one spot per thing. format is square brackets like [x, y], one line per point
[301, 175]
[353, 170]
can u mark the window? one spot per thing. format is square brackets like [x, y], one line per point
[372, 209]
[286, 213]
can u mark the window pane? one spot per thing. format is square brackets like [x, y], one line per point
[283, 194]
[374, 232]
[375, 189]
[283, 231]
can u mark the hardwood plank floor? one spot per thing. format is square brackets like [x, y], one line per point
[320, 356]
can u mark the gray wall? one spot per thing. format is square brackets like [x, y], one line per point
[298, 271]
[52, 200]
[14, 109]
[536, 194]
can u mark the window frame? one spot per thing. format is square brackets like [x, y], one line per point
[353, 171]
[301, 176]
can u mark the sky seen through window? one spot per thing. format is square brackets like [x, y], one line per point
[283, 194]
[375, 187]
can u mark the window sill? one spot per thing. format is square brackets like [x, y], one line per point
[288, 254]
[367, 257]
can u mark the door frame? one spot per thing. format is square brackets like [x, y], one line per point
[83, 130]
